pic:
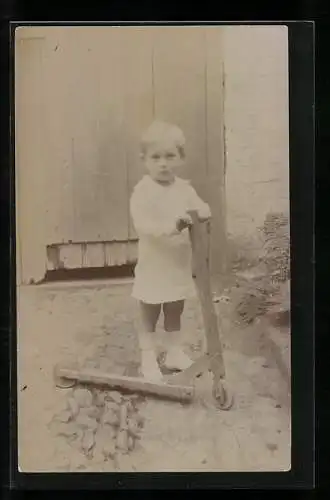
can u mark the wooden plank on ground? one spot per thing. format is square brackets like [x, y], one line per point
[134, 384]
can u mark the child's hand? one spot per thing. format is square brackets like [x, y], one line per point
[204, 217]
[204, 214]
[183, 222]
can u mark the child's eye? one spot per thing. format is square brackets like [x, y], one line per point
[155, 157]
[170, 156]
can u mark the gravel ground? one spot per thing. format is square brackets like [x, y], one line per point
[96, 325]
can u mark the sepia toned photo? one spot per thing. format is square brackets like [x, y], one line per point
[153, 248]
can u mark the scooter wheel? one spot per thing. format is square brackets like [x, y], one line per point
[60, 382]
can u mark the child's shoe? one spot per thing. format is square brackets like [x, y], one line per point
[175, 358]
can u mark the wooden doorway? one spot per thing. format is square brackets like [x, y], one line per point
[79, 117]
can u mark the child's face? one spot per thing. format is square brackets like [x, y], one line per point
[162, 160]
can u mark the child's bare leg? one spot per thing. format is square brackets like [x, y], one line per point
[175, 358]
[172, 315]
[149, 316]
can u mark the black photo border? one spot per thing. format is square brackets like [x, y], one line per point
[302, 474]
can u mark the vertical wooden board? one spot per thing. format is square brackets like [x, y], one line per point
[119, 253]
[180, 92]
[215, 146]
[132, 253]
[99, 161]
[53, 257]
[109, 251]
[138, 97]
[83, 178]
[30, 154]
[70, 256]
[107, 254]
[93, 255]
[116, 253]
[58, 70]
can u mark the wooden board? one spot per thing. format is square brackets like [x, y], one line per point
[86, 255]
[199, 246]
[132, 384]
[132, 251]
[93, 255]
[100, 88]
[99, 166]
[116, 253]
[180, 86]
[29, 159]
[70, 256]
[58, 161]
[86, 166]
[215, 148]
[139, 101]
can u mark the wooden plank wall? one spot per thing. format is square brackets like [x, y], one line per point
[139, 100]
[30, 155]
[189, 86]
[179, 86]
[86, 255]
[58, 213]
[91, 136]
[101, 87]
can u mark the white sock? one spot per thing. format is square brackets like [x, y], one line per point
[149, 366]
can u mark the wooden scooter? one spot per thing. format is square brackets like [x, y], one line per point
[175, 386]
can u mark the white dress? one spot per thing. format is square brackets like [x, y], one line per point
[164, 269]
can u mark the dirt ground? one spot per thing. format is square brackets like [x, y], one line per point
[96, 324]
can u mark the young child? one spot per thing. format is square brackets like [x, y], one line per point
[163, 275]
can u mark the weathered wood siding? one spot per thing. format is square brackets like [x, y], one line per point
[84, 96]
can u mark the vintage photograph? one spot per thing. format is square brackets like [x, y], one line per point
[153, 248]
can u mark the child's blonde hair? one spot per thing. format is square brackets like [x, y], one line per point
[159, 130]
